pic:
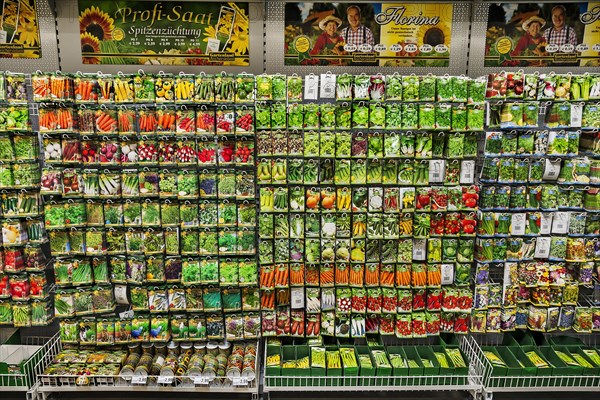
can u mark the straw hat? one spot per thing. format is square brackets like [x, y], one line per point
[325, 20]
[535, 18]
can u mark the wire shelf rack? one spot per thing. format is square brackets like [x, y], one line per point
[533, 383]
[25, 378]
[470, 382]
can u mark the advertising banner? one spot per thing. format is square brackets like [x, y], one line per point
[382, 34]
[164, 32]
[19, 30]
[543, 35]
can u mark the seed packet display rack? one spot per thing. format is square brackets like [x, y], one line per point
[526, 380]
[47, 385]
[392, 380]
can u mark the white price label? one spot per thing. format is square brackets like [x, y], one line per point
[467, 172]
[542, 247]
[576, 115]
[437, 168]
[447, 274]
[560, 222]
[581, 47]
[507, 274]
[551, 170]
[138, 380]
[546, 224]
[311, 87]
[212, 45]
[126, 314]
[164, 380]
[297, 295]
[239, 381]
[419, 249]
[201, 380]
[327, 86]
[121, 294]
[518, 224]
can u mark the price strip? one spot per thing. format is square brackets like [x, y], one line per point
[518, 224]
[327, 86]
[311, 87]
[239, 381]
[201, 380]
[467, 172]
[419, 249]
[551, 170]
[545, 223]
[447, 274]
[139, 380]
[560, 222]
[297, 297]
[164, 380]
[542, 247]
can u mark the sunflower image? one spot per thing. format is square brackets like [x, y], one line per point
[434, 35]
[238, 43]
[209, 33]
[90, 44]
[97, 23]
[28, 31]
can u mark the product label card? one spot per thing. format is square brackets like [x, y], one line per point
[560, 222]
[467, 172]
[518, 224]
[327, 86]
[542, 247]
[311, 87]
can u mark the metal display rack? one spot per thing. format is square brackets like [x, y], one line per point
[32, 366]
[532, 383]
[51, 384]
[472, 382]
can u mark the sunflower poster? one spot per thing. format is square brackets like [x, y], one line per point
[19, 30]
[164, 32]
[543, 35]
[380, 34]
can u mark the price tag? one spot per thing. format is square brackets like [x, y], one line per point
[297, 295]
[545, 223]
[239, 381]
[576, 114]
[311, 87]
[542, 247]
[212, 45]
[447, 274]
[201, 380]
[518, 224]
[551, 170]
[138, 380]
[437, 169]
[419, 249]
[164, 380]
[126, 314]
[467, 172]
[327, 86]
[560, 222]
